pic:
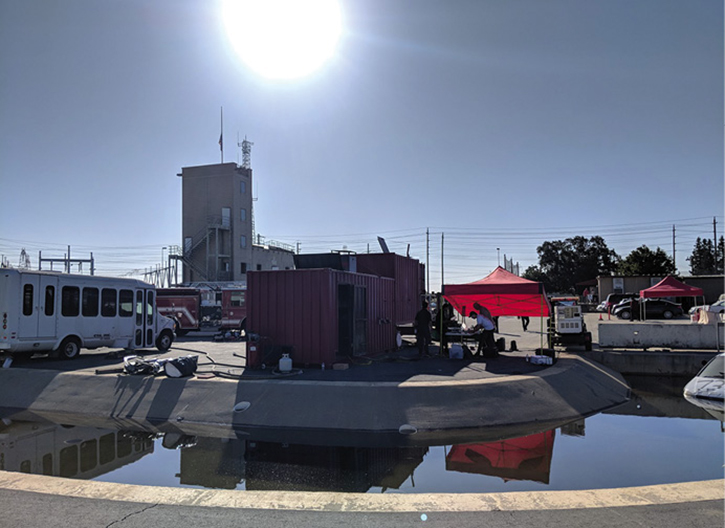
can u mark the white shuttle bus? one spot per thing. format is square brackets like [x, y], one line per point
[43, 311]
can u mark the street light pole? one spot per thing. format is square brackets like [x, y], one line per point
[163, 268]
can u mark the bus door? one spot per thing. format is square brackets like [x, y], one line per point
[47, 316]
[37, 306]
[29, 306]
[144, 331]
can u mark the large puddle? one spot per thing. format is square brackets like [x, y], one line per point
[657, 437]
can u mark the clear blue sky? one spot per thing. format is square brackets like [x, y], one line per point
[499, 123]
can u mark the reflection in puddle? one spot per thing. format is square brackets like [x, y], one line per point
[622, 447]
[66, 451]
[525, 458]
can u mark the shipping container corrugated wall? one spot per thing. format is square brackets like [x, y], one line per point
[409, 276]
[300, 309]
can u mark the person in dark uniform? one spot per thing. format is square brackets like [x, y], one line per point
[442, 322]
[422, 329]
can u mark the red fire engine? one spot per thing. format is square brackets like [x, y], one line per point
[192, 308]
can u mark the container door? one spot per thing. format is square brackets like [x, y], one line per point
[345, 318]
[29, 306]
[352, 319]
[47, 316]
[360, 335]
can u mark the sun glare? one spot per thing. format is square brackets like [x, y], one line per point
[283, 39]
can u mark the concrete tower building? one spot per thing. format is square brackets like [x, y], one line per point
[217, 226]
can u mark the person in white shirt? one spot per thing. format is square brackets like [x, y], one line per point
[485, 326]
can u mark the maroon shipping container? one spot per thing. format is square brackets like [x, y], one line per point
[409, 275]
[323, 315]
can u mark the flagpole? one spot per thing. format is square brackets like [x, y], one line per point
[221, 133]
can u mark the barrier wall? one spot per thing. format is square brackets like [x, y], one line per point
[662, 335]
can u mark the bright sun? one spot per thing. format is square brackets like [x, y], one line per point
[283, 39]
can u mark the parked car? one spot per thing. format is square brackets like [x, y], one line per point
[613, 299]
[653, 309]
[716, 307]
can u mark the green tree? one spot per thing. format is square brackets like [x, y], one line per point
[704, 260]
[644, 261]
[564, 263]
[534, 273]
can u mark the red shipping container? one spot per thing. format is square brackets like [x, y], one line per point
[320, 315]
[409, 275]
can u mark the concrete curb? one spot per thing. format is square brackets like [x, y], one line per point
[686, 492]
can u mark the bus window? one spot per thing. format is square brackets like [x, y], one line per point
[150, 308]
[123, 445]
[108, 302]
[125, 303]
[139, 308]
[48, 464]
[107, 448]
[90, 302]
[88, 455]
[49, 300]
[70, 297]
[69, 461]
[27, 299]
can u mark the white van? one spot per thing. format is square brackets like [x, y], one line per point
[43, 311]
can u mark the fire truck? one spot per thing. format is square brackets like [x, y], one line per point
[194, 308]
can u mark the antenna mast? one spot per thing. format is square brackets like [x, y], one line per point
[246, 147]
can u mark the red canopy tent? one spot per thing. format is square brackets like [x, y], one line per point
[671, 287]
[502, 292]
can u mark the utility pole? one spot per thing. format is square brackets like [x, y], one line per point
[714, 240]
[674, 255]
[427, 259]
[442, 275]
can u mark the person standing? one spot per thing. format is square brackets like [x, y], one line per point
[422, 329]
[525, 322]
[485, 326]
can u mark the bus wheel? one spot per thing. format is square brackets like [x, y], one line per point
[163, 342]
[70, 348]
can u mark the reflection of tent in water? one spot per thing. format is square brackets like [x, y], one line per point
[525, 458]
